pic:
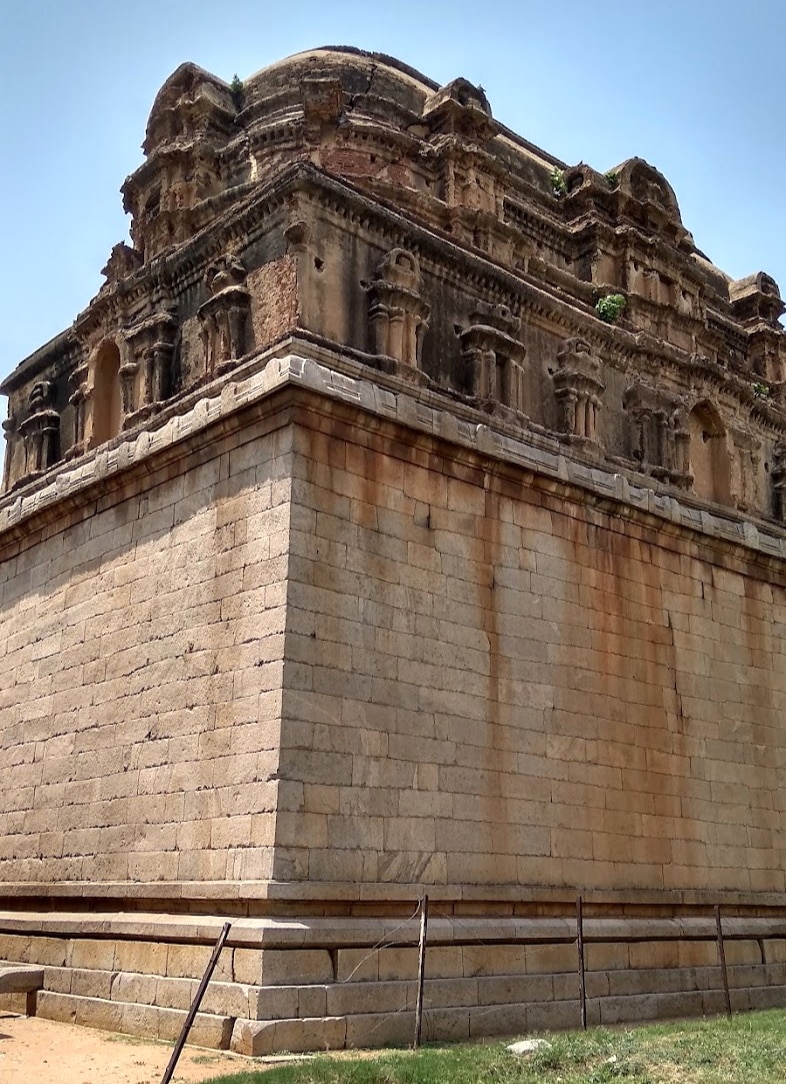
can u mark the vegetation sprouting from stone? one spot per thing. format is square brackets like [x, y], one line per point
[558, 184]
[237, 91]
[610, 307]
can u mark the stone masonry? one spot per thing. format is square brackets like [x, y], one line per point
[404, 515]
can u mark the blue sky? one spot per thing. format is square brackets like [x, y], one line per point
[696, 87]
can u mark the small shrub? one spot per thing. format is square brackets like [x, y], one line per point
[612, 178]
[237, 91]
[760, 390]
[610, 307]
[558, 185]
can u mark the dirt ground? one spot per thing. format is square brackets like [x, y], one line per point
[35, 1051]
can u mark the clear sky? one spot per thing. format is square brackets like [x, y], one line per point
[696, 87]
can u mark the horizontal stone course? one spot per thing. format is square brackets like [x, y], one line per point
[349, 656]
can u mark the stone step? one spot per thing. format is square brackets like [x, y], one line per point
[21, 983]
[129, 1018]
[369, 1011]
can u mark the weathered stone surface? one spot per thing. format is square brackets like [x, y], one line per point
[351, 547]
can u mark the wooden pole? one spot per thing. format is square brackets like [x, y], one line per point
[189, 1020]
[722, 958]
[580, 948]
[421, 970]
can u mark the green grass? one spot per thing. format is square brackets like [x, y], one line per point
[748, 1049]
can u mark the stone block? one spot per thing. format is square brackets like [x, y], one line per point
[282, 967]
[190, 961]
[401, 963]
[358, 965]
[145, 957]
[91, 955]
[255, 1038]
[520, 989]
[450, 993]
[98, 984]
[274, 1002]
[349, 999]
[548, 959]
[654, 954]
[603, 957]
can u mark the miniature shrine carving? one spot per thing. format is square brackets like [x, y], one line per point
[398, 315]
[578, 389]
[223, 316]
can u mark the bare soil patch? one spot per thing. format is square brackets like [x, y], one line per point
[32, 1049]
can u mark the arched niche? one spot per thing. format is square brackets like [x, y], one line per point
[709, 456]
[106, 399]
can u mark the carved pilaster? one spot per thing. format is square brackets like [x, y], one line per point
[398, 315]
[745, 469]
[128, 373]
[579, 390]
[778, 480]
[40, 430]
[151, 346]
[9, 428]
[224, 316]
[494, 355]
[659, 440]
[79, 399]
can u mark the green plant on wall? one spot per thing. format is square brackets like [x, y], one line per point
[610, 307]
[612, 178]
[237, 91]
[760, 390]
[558, 185]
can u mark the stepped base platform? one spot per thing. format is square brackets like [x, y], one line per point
[330, 981]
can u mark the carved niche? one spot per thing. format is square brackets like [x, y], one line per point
[494, 355]
[659, 434]
[40, 430]
[146, 372]
[398, 316]
[224, 315]
[578, 389]
[710, 459]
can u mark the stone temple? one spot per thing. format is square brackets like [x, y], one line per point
[404, 515]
